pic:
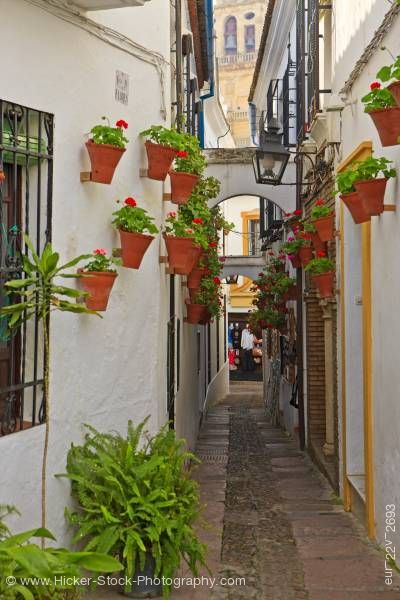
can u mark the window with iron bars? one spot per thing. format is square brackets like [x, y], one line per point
[26, 159]
[192, 106]
[271, 221]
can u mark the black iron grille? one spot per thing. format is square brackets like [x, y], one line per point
[26, 159]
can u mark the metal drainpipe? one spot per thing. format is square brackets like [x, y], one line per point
[178, 35]
[299, 332]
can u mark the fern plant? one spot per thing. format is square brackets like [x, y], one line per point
[136, 499]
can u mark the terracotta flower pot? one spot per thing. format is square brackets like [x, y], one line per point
[104, 159]
[182, 185]
[160, 159]
[291, 294]
[194, 279]
[192, 293]
[319, 246]
[325, 227]
[324, 284]
[372, 194]
[206, 317]
[182, 253]
[305, 255]
[387, 123]
[356, 207]
[134, 246]
[195, 313]
[395, 89]
[295, 260]
[98, 284]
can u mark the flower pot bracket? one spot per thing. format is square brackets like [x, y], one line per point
[86, 176]
[389, 208]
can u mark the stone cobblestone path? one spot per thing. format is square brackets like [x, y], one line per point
[273, 518]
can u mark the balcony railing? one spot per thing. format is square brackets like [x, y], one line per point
[243, 142]
[238, 115]
[248, 57]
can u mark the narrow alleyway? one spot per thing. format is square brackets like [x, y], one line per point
[273, 519]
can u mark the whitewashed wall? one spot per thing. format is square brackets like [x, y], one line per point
[103, 372]
[353, 31]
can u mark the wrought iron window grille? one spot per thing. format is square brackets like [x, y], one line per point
[26, 159]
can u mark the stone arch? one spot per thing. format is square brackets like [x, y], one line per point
[234, 169]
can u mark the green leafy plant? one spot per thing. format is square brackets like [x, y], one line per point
[136, 498]
[391, 71]
[320, 264]
[176, 225]
[210, 295]
[165, 136]
[371, 167]
[378, 98]
[345, 180]
[309, 227]
[24, 562]
[100, 262]
[38, 293]
[134, 219]
[191, 159]
[105, 134]
[291, 246]
[321, 209]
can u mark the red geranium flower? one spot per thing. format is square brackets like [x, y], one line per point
[171, 215]
[375, 85]
[213, 244]
[217, 280]
[298, 212]
[320, 202]
[321, 254]
[222, 259]
[182, 154]
[198, 221]
[100, 251]
[121, 123]
[130, 201]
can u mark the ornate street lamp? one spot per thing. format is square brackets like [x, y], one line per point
[271, 158]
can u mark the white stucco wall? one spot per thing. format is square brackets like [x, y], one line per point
[103, 372]
[353, 31]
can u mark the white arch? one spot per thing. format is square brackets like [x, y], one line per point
[234, 169]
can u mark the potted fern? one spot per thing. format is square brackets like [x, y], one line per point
[322, 273]
[97, 278]
[136, 500]
[323, 218]
[105, 148]
[370, 186]
[131, 222]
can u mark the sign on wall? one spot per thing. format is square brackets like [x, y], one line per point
[122, 87]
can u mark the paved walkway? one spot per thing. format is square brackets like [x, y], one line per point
[281, 529]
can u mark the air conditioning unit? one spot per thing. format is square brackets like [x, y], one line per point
[107, 4]
[319, 129]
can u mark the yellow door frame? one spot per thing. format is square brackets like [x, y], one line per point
[362, 151]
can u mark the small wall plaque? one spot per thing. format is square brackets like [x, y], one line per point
[121, 87]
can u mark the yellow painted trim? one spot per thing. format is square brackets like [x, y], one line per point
[251, 215]
[345, 483]
[367, 378]
[362, 151]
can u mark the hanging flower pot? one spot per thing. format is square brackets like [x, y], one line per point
[387, 123]
[356, 207]
[372, 194]
[160, 159]
[291, 293]
[295, 260]
[182, 185]
[319, 246]
[395, 89]
[325, 227]
[182, 253]
[134, 246]
[194, 279]
[324, 283]
[99, 285]
[104, 159]
[305, 255]
[195, 313]
[206, 317]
